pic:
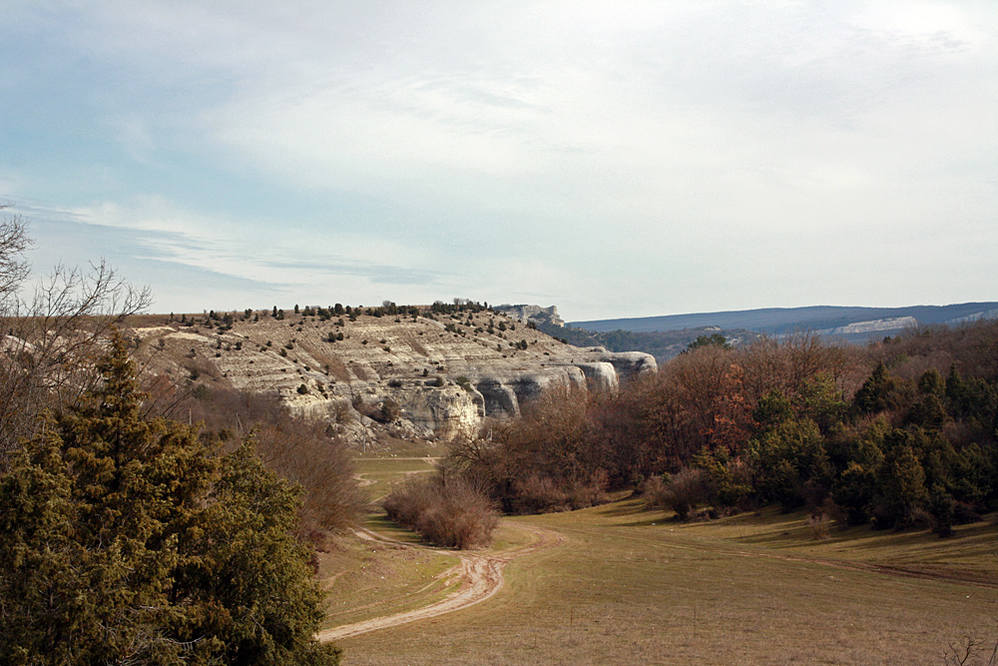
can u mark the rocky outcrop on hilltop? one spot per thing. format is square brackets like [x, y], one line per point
[532, 313]
[428, 375]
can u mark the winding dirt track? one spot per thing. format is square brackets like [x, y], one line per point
[480, 577]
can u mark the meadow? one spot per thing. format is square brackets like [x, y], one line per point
[627, 584]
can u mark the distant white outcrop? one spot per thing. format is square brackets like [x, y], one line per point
[874, 325]
[977, 316]
[440, 377]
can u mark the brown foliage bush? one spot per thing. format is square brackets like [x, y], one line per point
[538, 494]
[447, 510]
[654, 491]
[710, 408]
[298, 450]
[548, 460]
[971, 348]
[681, 492]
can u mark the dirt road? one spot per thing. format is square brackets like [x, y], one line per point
[480, 576]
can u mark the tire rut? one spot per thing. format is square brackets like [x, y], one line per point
[479, 577]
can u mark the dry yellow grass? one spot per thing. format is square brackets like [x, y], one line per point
[630, 586]
[366, 580]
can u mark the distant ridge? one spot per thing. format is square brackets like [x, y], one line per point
[850, 323]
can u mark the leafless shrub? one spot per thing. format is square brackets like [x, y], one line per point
[14, 241]
[536, 494]
[681, 492]
[300, 451]
[333, 365]
[588, 491]
[342, 412]
[446, 510]
[823, 517]
[654, 492]
[297, 449]
[818, 522]
[972, 651]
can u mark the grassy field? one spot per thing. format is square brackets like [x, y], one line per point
[367, 579]
[379, 473]
[370, 579]
[632, 586]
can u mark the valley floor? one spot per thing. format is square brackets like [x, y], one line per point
[624, 585]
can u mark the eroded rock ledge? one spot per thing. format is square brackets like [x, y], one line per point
[432, 376]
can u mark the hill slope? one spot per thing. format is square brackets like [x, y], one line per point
[854, 324]
[428, 375]
[849, 324]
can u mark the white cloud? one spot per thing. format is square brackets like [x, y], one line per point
[255, 251]
[709, 155]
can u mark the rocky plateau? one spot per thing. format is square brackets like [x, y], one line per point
[425, 375]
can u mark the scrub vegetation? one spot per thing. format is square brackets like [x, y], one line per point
[784, 500]
[130, 540]
[896, 435]
[128, 537]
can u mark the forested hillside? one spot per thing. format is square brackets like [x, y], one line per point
[899, 434]
[663, 345]
[667, 336]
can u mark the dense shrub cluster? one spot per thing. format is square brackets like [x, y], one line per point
[901, 433]
[125, 539]
[458, 305]
[447, 510]
[680, 492]
[301, 451]
[548, 460]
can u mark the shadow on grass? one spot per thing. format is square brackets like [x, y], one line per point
[794, 532]
[636, 507]
[625, 508]
[379, 522]
[650, 522]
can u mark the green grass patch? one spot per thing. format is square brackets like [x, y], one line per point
[380, 473]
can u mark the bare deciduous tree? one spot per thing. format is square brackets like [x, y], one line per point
[13, 268]
[50, 338]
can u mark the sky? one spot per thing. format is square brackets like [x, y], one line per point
[614, 159]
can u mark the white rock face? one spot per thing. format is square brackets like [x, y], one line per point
[446, 411]
[875, 325]
[534, 313]
[445, 373]
[600, 375]
[631, 364]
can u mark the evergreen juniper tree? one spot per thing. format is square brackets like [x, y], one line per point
[127, 540]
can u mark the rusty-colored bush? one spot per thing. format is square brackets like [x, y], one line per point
[446, 510]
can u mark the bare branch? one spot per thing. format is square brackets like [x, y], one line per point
[14, 242]
[48, 344]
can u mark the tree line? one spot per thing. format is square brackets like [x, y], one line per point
[898, 434]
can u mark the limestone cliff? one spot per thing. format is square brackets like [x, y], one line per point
[532, 313]
[428, 376]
